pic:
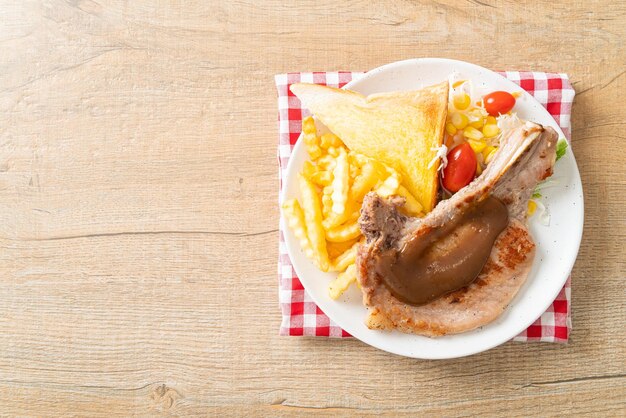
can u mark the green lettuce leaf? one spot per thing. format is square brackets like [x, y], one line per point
[561, 146]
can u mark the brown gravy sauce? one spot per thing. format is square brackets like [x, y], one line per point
[444, 259]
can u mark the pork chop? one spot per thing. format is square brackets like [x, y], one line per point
[526, 156]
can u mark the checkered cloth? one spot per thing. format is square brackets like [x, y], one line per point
[300, 314]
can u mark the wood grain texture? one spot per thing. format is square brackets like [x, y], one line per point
[138, 216]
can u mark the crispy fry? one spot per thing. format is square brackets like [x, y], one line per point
[389, 186]
[295, 219]
[354, 216]
[394, 173]
[357, 159]
[322, 178]
[411, 206]
[309, 135]
[326, 162]
[313, 218]
[309, 169]
[364, 182]
[349, 216]
[354, 172]
[342, 282]
[343, 233]
[330, 140]
[341, 183]
[342, 261]
[335, 249]
[327, 201]
[382, 171]
[334, 151]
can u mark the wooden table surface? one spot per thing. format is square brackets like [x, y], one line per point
[138, 215]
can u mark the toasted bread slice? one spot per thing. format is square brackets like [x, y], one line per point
[399, 128]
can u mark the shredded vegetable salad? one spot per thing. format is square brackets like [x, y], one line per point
[478, 121]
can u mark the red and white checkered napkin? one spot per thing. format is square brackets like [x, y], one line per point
[300, 314]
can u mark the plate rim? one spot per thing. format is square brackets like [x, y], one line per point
[496, 341]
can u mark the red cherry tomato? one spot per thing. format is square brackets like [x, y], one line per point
[461, 168]
[498, 102]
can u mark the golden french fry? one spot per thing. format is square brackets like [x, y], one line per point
[382, 171]
[394, 173]
[349, 216]
[330, 140]
[341, 183]
[327, 201]
[322, 178]
[309, 135]
[313, 217]
[357, 159]
[295, 220]
[308, 169]
[364, 182]
[388, 187]
[335, 249]
[342, 261]
[333, 220]
[351, 210]
[354, 216]
[354, 171]
[411, 206]
[343, 233]
[342, 282]
[334, 151]
[326, 162]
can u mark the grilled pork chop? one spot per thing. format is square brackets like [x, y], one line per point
[525, 157]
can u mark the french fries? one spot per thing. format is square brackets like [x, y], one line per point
[332, 187]
[341, 183]
[330, 140]
[342, 282]
[335, 249]
[295, 220]
[313, 218]
[309, 135]
[344, 260]
[411, 206]
[343, 233]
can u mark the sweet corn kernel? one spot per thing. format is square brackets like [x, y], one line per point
[491, 119]
[490, 130]
[532, 207]
[479, 169]
[461, 101]
[477, 124]
[489, 156]
[459, 120]
[450, 128]
[477, 146]
[516, 94]
[487, 150]
[476, 118]
[472, 133]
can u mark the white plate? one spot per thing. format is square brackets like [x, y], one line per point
[557, 244]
